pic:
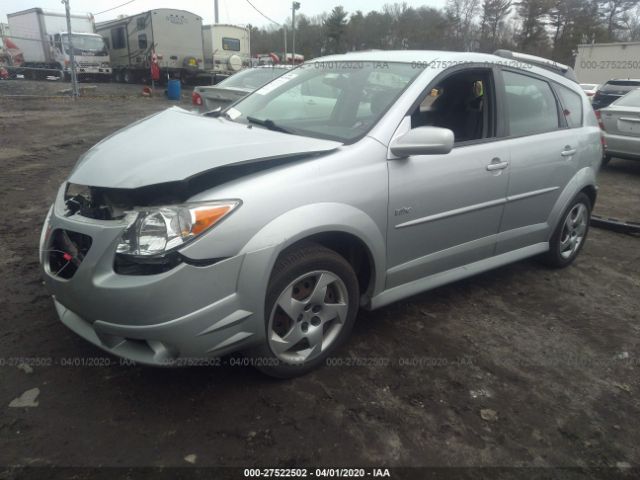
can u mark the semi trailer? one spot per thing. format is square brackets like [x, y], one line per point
[43, 40]
[174, 36]
[600, 62]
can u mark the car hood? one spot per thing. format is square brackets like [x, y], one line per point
[177, 144]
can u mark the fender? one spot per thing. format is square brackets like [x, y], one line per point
[585, 177]
[308, 220]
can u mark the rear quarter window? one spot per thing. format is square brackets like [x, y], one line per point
[571, 106]
[531, 105]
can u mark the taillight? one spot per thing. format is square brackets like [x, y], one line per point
[600, 122]
[196, 99]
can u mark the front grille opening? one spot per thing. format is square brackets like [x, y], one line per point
[67, 250]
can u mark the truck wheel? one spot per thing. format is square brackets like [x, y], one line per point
[570, 233]
[310, 309]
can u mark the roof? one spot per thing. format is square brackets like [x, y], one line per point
[49, 12]
[612, 44]
[126, 18]
[441, 60]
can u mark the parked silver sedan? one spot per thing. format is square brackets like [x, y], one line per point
[235, 87]
[350, 182]
[620, 122]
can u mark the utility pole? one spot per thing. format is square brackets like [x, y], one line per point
[294, 6]
[284, 58]
[215, 11]
[72, 58]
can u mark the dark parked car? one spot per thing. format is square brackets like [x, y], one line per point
[613, 90]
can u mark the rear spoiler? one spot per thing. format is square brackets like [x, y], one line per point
[556, 67]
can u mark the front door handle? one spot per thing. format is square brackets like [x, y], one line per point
[497, 164]
[568, 151]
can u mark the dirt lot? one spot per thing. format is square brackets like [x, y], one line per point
[555, 354]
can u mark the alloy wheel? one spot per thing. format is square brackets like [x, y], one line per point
[308, 316]
[573, 230]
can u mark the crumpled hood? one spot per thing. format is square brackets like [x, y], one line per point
[177, 144]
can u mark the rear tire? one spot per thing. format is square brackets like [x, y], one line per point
[570, 234]
[310, 308]
[605, 160]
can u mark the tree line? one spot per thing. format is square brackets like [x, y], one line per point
[550, 28]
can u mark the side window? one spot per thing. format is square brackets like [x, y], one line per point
[571, 106]
[531, 105]
[463, 102]
[142, 41]
[232, 44]
[141, 23]
[117, 38]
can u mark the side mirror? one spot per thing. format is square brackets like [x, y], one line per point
[423, 141]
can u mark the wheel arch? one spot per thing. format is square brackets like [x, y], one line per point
[343, 228]
[583, 181]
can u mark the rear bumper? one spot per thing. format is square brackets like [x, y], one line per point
[622, 146]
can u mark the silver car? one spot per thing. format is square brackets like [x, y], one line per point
[235, 87]
[349, 182]
[620, 123]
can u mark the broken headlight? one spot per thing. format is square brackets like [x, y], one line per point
[157, 230]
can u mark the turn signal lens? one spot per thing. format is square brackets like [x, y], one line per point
[203, 218]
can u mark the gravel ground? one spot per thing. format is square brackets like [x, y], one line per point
[522, 366]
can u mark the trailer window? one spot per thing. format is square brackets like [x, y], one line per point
[231, 44]
[142, 41]
[141, 22]
[118, 38]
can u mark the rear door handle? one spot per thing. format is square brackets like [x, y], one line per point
[497, 164]
[568, 151]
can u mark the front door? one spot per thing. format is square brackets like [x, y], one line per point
[445, 210]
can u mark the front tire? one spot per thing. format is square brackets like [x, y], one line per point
[311, 306]
[570, 234]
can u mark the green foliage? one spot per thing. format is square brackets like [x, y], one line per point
[550, 28]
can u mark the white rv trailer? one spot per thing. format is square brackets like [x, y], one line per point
[227, 49]
[599, 62]
[174, 35]
[42, 37]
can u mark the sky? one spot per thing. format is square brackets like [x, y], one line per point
[230, 11]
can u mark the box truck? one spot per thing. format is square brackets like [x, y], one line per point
[600, 62]
[227, 49]
[43, 39]
[174, 35]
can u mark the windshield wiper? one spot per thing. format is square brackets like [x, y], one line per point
[270, 124]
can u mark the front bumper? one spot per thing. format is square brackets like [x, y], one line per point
[177, 317]
[92, 70]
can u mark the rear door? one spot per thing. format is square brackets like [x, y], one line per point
[544, 153]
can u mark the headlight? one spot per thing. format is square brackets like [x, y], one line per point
[157, 230]
[104, 65]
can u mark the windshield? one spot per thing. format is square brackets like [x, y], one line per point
[335, 100]
[252, 78]
[85, 45]
[631, 99]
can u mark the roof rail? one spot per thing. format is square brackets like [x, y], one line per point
[556, 67]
